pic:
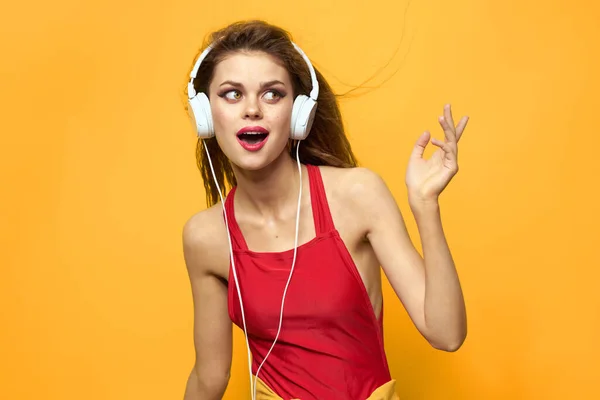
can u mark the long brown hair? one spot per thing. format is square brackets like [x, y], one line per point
[326, 144]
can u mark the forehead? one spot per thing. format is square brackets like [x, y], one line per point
[250, 68]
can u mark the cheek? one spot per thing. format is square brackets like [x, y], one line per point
[221, 118]
[281, 118]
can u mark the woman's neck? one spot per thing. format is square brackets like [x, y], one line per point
[271, 191]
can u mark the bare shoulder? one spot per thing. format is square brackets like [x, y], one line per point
[358, 186]
[205, 243]
[358, 198]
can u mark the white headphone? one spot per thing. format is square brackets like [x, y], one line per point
[303, 111]
[303, 114]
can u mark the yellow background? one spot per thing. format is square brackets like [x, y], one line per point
[98, 176]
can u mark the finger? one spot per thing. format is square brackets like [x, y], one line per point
[420, 145]
[448, 114]
[449, 132]
[438, 143]
[462, 124]
[449, 151]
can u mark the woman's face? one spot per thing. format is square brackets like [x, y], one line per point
[251, 99]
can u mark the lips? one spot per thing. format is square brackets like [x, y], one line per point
[252, 138]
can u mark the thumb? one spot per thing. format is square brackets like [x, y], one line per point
[420, 145]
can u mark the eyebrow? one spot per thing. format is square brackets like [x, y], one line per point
[262, 84]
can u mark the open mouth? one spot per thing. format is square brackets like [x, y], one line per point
[252, 138]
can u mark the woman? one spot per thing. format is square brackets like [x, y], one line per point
[305, 286]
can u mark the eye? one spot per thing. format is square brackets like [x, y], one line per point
[273, 95]
[232, 95]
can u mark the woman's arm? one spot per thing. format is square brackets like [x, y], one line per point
[445, 311]
[428, 286]
[212, 326]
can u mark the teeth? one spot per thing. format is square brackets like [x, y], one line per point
[253, 133]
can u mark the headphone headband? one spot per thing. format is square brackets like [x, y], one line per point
[314, 93]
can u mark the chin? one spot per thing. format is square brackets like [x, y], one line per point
[252, 163]
[259, 160]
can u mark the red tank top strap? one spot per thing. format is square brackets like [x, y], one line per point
[320, 207]
[237, 238]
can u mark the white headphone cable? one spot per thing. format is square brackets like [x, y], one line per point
[291, 270]
[253, 384]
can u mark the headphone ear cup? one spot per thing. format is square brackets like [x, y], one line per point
[202, 116]
[303, 115]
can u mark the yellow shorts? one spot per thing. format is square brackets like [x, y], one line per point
[384, 392]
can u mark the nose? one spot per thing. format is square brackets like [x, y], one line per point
[252, 110]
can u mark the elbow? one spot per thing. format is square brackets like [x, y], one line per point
[449, 347]
[451, 344]
[205, 384]
[213, 384]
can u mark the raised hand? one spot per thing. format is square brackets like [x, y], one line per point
[426, 179]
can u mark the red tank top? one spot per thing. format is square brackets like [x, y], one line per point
[331, 343]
